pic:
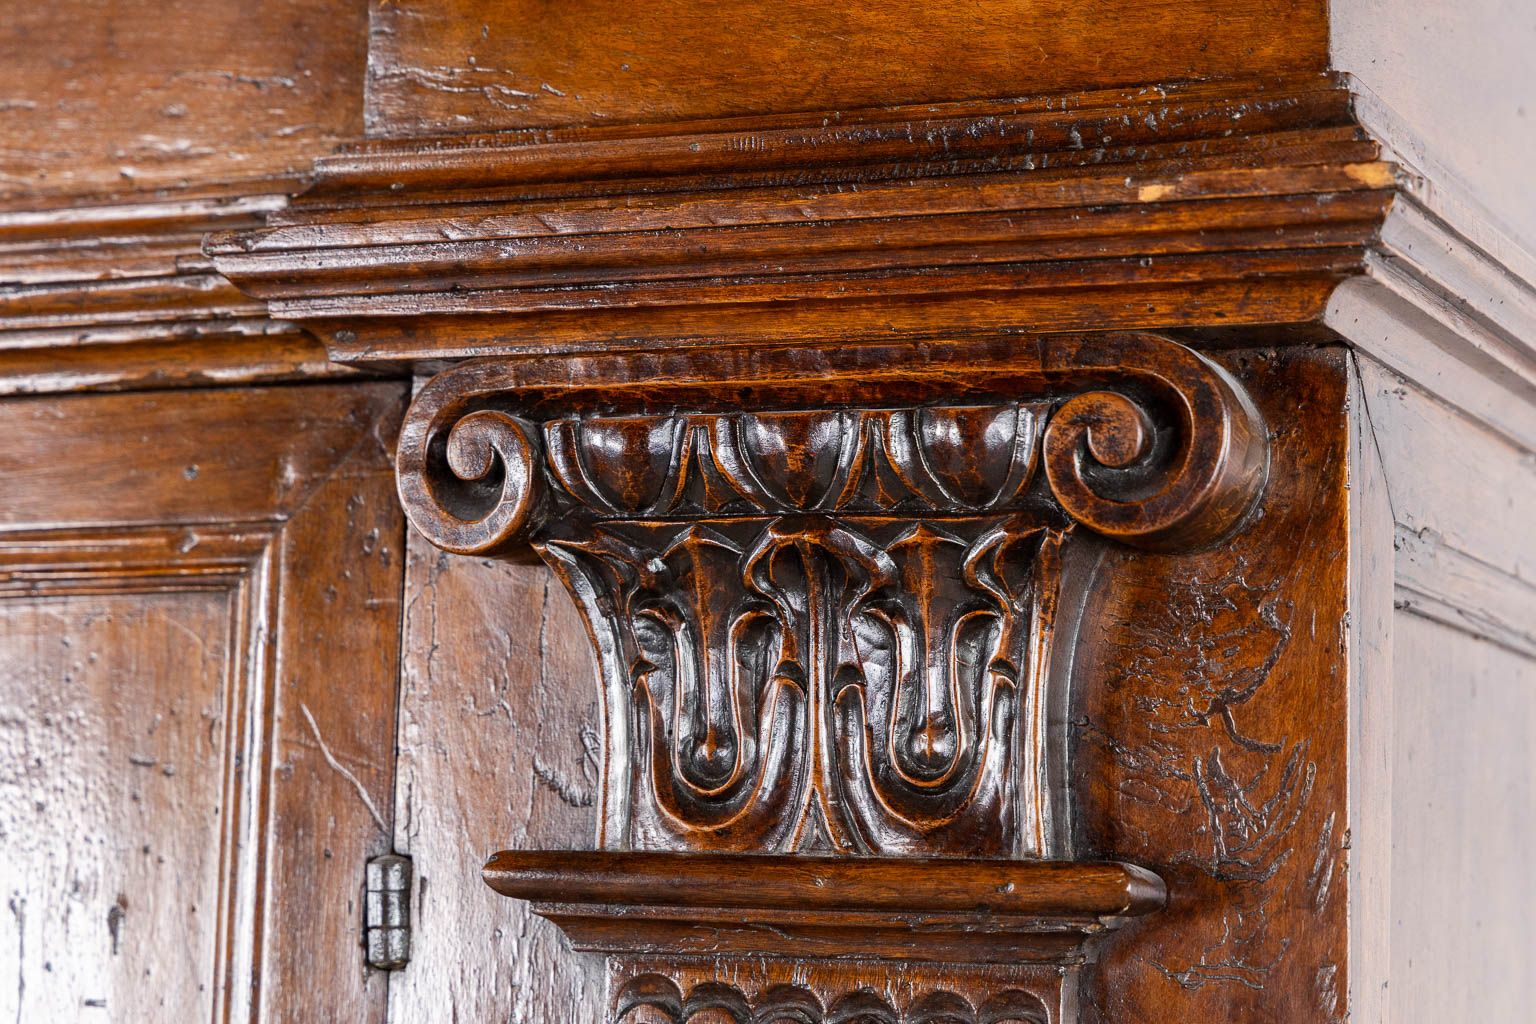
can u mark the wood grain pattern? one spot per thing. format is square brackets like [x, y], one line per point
[747, 938]
[999, 605]
[141, 95]
[1214, 739]
[120, 297]
[1450, 894]
[113, 707]
[149, 453]
[829, 630]
[500, 745]
[955, 219]
[435, 69]
[908, 909]
[290, 782]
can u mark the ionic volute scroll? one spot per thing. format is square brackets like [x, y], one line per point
[833, 601]
[1144, 440]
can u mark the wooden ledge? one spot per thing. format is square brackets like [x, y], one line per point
[925, 909]
[1236, 202]
[117, 295]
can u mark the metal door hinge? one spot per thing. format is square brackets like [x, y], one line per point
[387, 912]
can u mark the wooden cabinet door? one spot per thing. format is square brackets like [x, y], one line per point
[199, 636]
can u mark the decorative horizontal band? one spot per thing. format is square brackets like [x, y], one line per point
[1025, 133]
[1003, 214]
[1082, 892]
[1139, 438]
[918, 910]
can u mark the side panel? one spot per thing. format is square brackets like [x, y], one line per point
[200, 594]
[1462, 795]
[500, 747]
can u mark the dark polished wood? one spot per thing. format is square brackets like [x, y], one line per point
[1011, 933]
[437, 67]
[1104, 209]
[916, 507]
[834, 630]
[924, 910]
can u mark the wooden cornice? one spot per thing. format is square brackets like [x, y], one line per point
[118, 295]
[1239, 202]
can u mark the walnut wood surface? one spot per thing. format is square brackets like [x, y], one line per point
[698, 923]
[177, 618]
[1211, 743]
[1139, 438]
[792, 659]
[515, 761]
[119, 297]
[1094, 210]
[910, 910]
[139, 95]
[827, 992]
[87, 898]
[1001, 888]
[1060, 593]
[435, 67]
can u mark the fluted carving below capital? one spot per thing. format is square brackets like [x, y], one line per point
[798, 1004]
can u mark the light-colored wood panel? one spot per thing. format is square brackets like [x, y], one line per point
[1450, 478]
[1368, 636]
[1463, 807]
[1455, 589]
[500, 747]
[488, 64]
[113, 754]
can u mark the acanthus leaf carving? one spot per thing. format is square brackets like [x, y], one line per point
[833, 609]
[833, 627]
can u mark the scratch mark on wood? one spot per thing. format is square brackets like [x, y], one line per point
[1327, 989]
[330, 759]
[1320, 880]
[115, 915]
[575, 794]
[19, 909]
[1235, 966]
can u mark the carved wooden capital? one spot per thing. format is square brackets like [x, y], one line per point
[1141, 439]
[833, 597]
